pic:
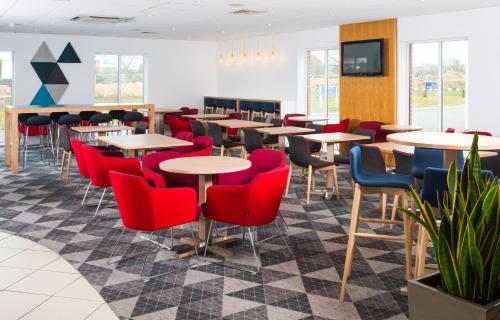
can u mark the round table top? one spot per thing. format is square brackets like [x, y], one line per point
[205, 165]
[308, 118]
[445, 141]
[400, 127]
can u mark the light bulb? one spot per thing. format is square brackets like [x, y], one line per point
[258, 54]
[273, 54]
[232, 56]
[244, 57]
[221, 58]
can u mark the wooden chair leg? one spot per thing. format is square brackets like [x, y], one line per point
[62, 164]
[336, 182]
[68, 166]
[289, 179]
[408, 232]
[394, 209]
[356, 202]
[383, 205]
[421, 251]
[309, 180]
[222, 151]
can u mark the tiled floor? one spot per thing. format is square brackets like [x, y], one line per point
[36, 283]
[37, 206]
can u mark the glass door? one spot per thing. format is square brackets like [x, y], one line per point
[5, 88]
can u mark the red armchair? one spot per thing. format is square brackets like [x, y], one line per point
[99, 165]
[249, 205]
[342, 126]
[176, 125]
[158, 208]
[262, 160]
[235, 116]
[202, 146]
[184, 135]
[450, 130]
[375, 126]
[291, 123]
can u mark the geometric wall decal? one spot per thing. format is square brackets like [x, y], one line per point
[56, 91]
[43, 69]
[42, 97]
[54, 82]
[69, 55]
[43, 54]
[56, 76]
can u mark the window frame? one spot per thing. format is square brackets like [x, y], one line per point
[408, 75]
[118, 82]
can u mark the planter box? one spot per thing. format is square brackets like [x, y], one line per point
[427, 302]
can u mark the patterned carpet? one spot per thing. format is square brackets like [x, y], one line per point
[36, 205]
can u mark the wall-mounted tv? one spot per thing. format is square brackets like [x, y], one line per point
[363, 58]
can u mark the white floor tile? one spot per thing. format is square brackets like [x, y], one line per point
[16, 304]
[60, 265]
[80, 289]
[39, 247]
[4, 235]
[6, 253]
[57, 308]
[16, 242]
[103, 313]
[30, 259]
[9, 276]
[44, 282]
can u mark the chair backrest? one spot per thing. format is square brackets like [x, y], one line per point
[277, 122]
[192, 111]
[197, 128]
[64, 139]
[85, 115]
[404, 162]
[69, 119]
[317, 127]
[202, 146]
[132, 116]
[291, 123]
[435, 184]
[184, 109]
[424, 158]
[235, 115]
[152, 160]
[299, 150]
[176, 125]
[375, 126]
[145, 208]
[100, 118]
[23, 117]
[259, 119]
[372, 159]
[99, 166]
[215, 133]
[76, 145]
[365, 132]
[253, 140]
[54, 116]
[184, 135]
[355, 161]
[117, 114]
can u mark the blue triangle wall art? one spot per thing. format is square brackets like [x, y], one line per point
[42, 97]
[69, 55]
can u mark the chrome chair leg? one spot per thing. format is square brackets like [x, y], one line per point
[86, 192]
[283, 220]
[253, 248]
[283, 237]
[116, 244]
[207, 240]
[146, 257]
[100, 201]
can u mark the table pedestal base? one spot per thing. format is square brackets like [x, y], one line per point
[214, 248]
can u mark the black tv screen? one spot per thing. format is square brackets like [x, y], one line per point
[363, 58]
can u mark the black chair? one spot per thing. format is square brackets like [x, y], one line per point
[259, 119]
[44, 132]
[492, 163]
[197, 129]
[117, 114]
[54, 116]
[404, 162]
[273, 140]
[86, 115]
[253, 140]
[100, 118]
[316, 146]
[66, 121]
[65, 140]
[215, 132]
[345, 159]
[22, 118]
[300, 157]
[132, 116]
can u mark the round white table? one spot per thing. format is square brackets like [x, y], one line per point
[308, 119]
[205, 168]
[401, 127]
[450, 143]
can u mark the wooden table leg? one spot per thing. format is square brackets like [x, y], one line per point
[7, 146]
[151, 114]
[14, 165]
[281, 142]
[161, 124]
[330, 156]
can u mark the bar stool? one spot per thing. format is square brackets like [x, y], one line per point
[65, 121]
[132, 117]
[40, 126]
[21, 119]
[117, 115]
[269, 109]
[375, 183]
[85, 116]
[100, 118]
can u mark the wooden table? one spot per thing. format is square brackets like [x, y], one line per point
[330, 139]
[206, 168]
[240, 124]
[282, 132]
[162, 112]
[206, 116]
[143, 142]
[101, 129]
[450, 143]
[13, 111]
[389, 147]
[308, 119]
[400, 128]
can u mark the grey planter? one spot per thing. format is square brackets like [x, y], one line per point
[427, 302]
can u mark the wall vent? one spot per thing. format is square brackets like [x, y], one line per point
[101, 19]
[248, 12]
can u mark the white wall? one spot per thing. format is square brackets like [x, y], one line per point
[179, 73]
[480, 27]
[282, 79]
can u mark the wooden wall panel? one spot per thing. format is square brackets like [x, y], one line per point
[371, 98]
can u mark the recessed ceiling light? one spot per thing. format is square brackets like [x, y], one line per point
[173, 28]
[12, 25]
[269, 25]
[236, 5]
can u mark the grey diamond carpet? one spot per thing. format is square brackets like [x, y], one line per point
[38, 206]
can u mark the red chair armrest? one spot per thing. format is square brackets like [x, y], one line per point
[124, 165]
[227, 203]
[157, 179]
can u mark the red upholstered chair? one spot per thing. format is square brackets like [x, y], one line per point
[176, 125]
[262, 160]
[291, 123]
[202, 146]
[342, 126]
[375, 126]
[249, 205]
[184, 135]
[481, 133]
[235, 116]
[99, 165]
[158, 208]
[450, 130]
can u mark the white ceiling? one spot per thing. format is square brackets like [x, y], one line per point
[209, 19]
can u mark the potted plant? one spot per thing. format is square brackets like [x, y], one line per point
[467, 247]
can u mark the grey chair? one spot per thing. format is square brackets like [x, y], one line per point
[215, 132]
[273, 140]
[345, 159]
[253, 140]
[197, 129]
[404, 162]
[259, 119]
[65, 141]
[316, 146]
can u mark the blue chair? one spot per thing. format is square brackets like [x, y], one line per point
[375, 183]
[425, 158]
[269, 108]
[257, 109]
[245, 109]
[434, 186]
[229, 106]
[208, 106]
[219, 106]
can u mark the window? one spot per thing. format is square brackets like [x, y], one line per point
[323, 83]
[438, 84]
[119, 78]
[5, 87]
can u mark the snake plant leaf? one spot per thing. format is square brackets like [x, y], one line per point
[464, 267]
[475, 257]
[493, 284]
[447, 265]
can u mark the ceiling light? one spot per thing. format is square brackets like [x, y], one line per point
[244, 58]
[221, 58]
[12, 25]
[232, 57]
[236, 5]
[248, 12]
